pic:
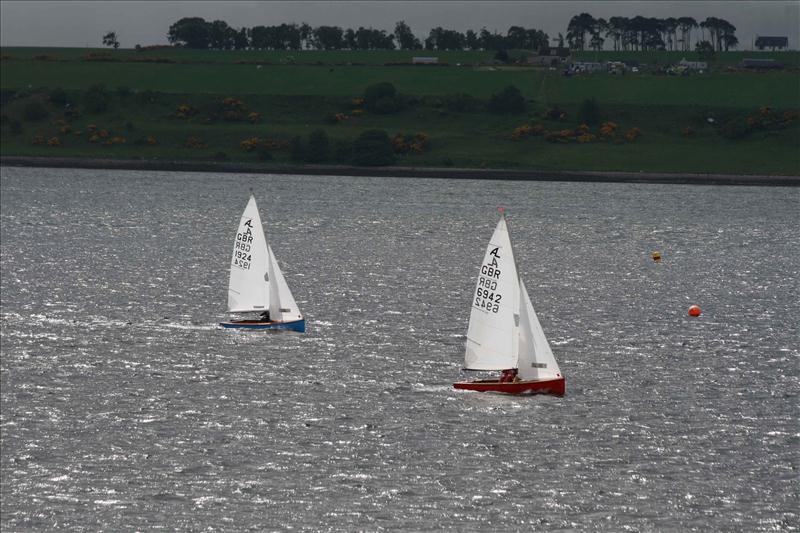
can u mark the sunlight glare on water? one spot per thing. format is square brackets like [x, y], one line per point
[125, 407]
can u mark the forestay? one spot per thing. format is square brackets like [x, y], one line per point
[282, 307]
[248, 289]
[493, 333]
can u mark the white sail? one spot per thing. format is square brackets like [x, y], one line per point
[493, 333]
[282, 307]
[536, 360]
[247, 288]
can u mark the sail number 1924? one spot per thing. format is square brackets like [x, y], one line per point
[241, 250]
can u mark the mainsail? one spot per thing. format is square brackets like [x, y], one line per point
[247, 288]
[493, 333]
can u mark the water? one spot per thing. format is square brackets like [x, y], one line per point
[125, 408]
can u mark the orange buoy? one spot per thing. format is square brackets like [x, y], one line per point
[694, 310]
[656, 256]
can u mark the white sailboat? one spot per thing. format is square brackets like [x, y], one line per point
[256, 282]
[504, 332]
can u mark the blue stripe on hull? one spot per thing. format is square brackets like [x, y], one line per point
[297, 325]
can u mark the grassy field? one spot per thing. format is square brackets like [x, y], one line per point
[294, 99]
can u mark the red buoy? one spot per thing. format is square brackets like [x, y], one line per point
[694, 310]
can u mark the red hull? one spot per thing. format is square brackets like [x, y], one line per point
[556, 387]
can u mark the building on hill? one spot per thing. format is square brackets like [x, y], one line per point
[550, 56]
[424, 60]
[586, 66]
[772, 42]
[760, 64]
[693, 65]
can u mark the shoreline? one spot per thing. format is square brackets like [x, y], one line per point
[404, 172]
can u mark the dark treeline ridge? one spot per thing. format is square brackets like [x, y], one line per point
[583, 32]
[195, 32]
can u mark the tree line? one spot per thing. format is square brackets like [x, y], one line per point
[649, 33]
[583, 32]
[197, 33]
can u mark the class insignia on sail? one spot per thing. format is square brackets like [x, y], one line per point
[504, 333]
[256, 283]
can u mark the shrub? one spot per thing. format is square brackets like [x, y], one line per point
[589, 112]
[373, 148]
[509, 100]
[735, 129]
[556, 113]
[263, 153]
[35, 111]
[6, 95]
[148, 97]
[221, 156]
[318, 147]
[386, 105]
[58, 96]
[96, 99]
[342, 152]
[459, 102]
[297, 149]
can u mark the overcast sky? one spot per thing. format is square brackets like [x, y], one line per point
[82, 23]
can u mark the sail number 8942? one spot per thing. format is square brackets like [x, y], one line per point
[485, 297]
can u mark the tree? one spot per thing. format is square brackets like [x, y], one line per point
[442, 39]
[381, 98]
[110, 39]
[685, 25]
[328, 38]
[614, 29]
[220, 35]
[350, 39]
[516, 38]
[729, 41]
[405, 39]
[578, 27]
[306, 34]
[241, 41]
[597, 41]
[705, 50]
[192, 32]
[472, 41]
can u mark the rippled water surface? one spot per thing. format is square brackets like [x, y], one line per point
[124, 406]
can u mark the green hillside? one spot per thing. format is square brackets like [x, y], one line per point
[726, 120]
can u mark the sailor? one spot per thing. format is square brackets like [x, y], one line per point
[265, 316]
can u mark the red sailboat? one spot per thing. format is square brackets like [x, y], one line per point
[504, 332]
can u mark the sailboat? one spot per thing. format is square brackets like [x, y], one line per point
[256, 282]
[504, 332]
